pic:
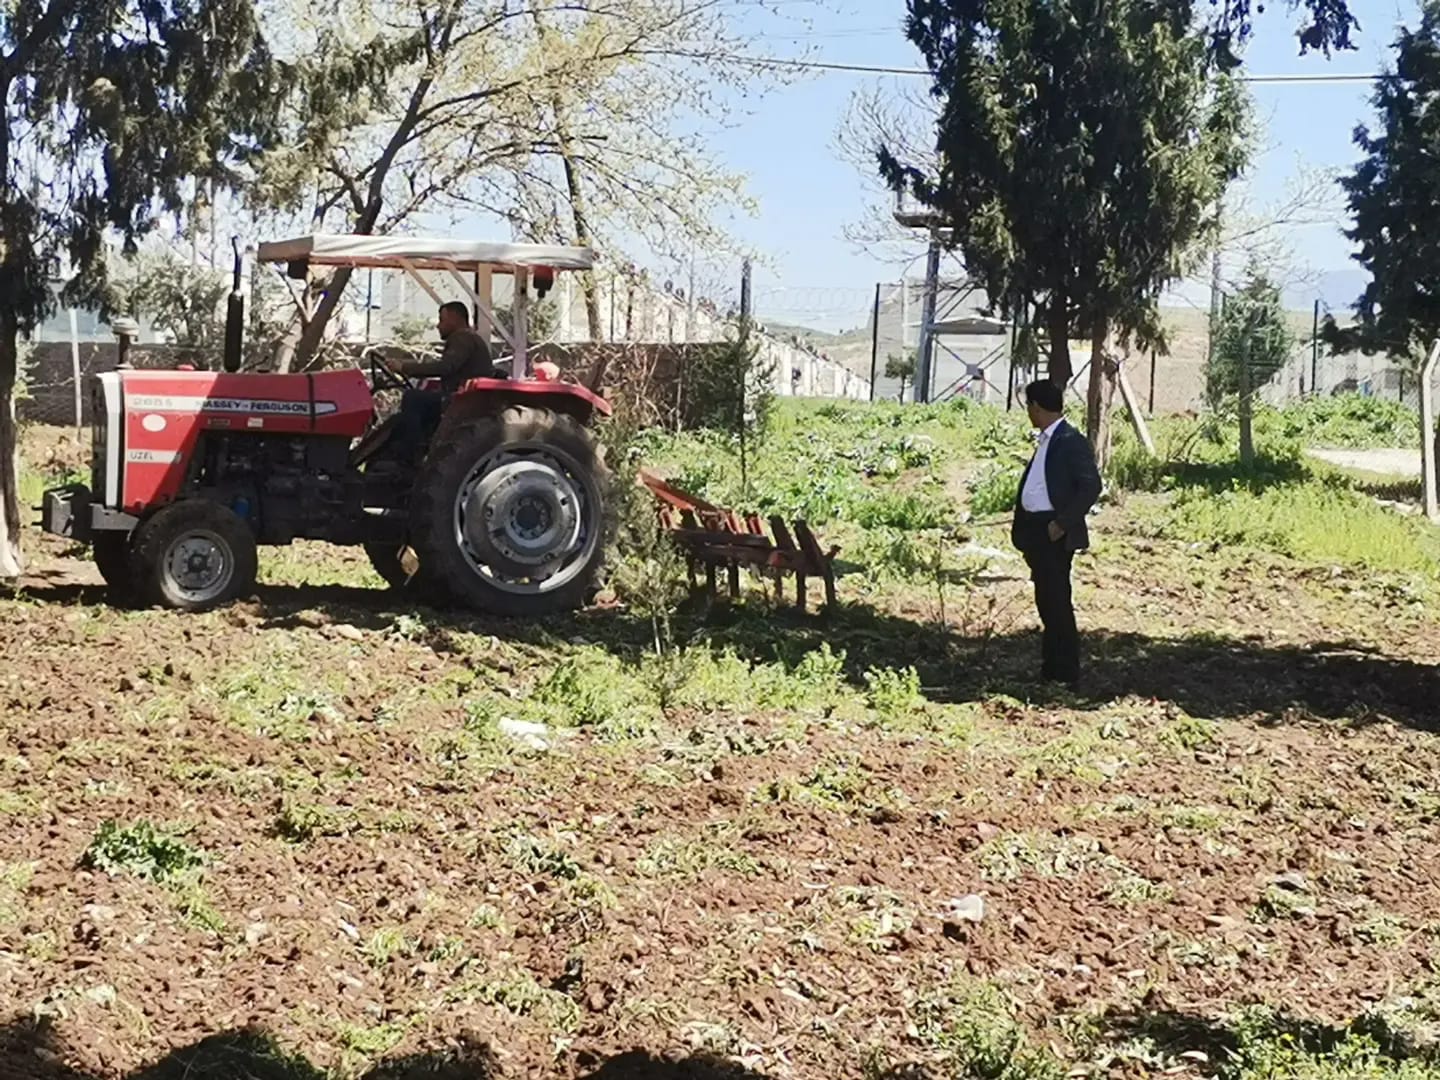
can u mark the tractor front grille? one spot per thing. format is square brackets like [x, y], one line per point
[99, 429]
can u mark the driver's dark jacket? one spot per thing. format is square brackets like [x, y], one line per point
[466, 356]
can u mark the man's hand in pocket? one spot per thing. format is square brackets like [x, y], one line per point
[1057, 532]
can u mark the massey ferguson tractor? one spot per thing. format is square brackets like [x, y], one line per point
[192, 470]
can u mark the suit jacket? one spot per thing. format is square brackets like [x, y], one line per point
[1073, 482]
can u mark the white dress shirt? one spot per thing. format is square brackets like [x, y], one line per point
[1035, 498]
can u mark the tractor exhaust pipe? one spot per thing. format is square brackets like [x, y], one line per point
[235, 315]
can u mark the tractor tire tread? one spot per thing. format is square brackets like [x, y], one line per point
[156, 533]
[464, 441]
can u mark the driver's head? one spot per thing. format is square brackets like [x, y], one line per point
[453, 316]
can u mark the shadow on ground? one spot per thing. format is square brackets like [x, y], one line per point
[34, 1051]
[1206, 675]
[1272, 1039]
[1261, 1039]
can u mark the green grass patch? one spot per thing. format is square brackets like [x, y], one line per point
[1269, 1047]
[372, 1040]
[299, 823]
[14, 880]
[541, 857]
[682, 858]
[975, 1029]
[1312, 522]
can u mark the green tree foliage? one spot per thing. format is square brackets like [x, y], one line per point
[187, 302]
[902, 367]
[1253, 340]
[1325, 28]
[175, 297]
[1392, 196]
[1082, 147]
[111, 111]
[554, 115]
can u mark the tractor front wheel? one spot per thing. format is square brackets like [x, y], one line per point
[509, 512]
[193, 556]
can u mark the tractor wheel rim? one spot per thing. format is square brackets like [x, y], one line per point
[525, 518]
[198, 566]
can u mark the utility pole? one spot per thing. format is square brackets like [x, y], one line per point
[875, 340]
[1314, 352]
[369, 302]
[926, 359]
[904, 324]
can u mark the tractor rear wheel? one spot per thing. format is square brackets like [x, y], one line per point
[509, 512]
[193, 556]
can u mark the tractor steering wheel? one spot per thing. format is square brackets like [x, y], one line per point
[382, 378]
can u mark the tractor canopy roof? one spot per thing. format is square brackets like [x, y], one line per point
[422, 253]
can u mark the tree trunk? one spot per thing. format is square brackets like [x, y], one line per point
[1060, 370]
[314, 333]
[368, 216]
[1102, 393]
[10, 523]
[11, 563]
[582, 226]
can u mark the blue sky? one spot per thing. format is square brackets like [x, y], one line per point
[807, 195]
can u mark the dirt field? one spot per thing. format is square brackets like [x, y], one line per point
[415, 837]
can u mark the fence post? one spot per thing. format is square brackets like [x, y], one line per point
[1152, 381]
[1427, 433]
[75, 373]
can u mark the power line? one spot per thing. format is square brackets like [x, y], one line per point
[875, 69]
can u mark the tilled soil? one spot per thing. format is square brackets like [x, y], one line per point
[1226, 815]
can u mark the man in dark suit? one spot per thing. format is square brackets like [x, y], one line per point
[1059, 487]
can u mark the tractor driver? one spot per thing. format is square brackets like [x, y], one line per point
[466, 356]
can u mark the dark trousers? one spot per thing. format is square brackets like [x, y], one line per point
[1049, 563]
[416, 421]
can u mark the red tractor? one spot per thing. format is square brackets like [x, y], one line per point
[192, 470]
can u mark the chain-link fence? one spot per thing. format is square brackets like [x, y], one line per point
[1311, 371]
[49, 391]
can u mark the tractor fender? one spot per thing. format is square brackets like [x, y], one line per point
[480, 396]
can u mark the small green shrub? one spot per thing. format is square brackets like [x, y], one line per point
[1132, 468]
[904, 510]
[1344, 421]
[300, 823]
[976, 1028]
[535, 855]
[894, 695]
[140, 850]
[591, 688]
[994, 492]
